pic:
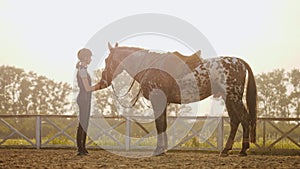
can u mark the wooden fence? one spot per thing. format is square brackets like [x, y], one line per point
[70, 123]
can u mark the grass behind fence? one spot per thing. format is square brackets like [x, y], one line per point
[151, 141]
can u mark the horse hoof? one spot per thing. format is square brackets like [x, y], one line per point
[242, 154]
[159, 153]
[223, 154]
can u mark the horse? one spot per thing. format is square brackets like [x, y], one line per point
[174, 78]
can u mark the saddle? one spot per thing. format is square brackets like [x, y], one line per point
[192, 61]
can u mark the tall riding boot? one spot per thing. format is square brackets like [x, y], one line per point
[84, 142]
[79, 141]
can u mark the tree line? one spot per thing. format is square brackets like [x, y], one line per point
[279, 93]
[28, 93]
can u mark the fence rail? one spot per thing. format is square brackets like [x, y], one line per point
[127, 143]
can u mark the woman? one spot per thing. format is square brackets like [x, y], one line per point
[84, 98]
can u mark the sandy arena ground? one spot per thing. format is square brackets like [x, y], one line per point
[66, 158]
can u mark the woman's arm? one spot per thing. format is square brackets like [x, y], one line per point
[87, 86]
[84, 77]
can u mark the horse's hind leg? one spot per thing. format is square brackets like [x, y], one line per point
[245, 124]
[159, 104]
[234, 124]
[237, 113]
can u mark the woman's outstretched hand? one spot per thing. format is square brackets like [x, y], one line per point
[100, 85]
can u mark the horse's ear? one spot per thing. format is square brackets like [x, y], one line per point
[116, 45]
[109, 46]
[198, 53]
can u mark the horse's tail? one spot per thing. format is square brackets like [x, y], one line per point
[251, 99]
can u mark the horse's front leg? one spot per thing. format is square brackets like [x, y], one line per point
[159, 104]
[162, 140]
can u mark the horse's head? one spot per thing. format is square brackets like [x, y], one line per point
[110, 66]
[112, 63]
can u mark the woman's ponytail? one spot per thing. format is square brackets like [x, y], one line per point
[78, 65]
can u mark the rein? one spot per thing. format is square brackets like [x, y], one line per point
[133, 101]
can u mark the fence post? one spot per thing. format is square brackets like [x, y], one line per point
[128, 133]
[220, 135]
[264, 133]
[38, 132]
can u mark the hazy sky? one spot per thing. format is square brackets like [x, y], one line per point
[44, 36]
